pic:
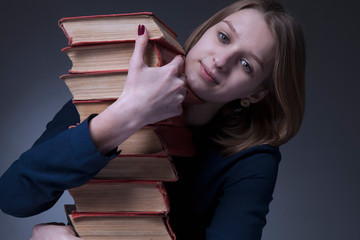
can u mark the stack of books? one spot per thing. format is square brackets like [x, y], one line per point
[127, 199]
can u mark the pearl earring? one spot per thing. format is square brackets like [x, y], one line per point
[245, 102]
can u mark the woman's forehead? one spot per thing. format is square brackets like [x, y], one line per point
[247, 15]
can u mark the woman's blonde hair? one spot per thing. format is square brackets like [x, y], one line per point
[277, 118]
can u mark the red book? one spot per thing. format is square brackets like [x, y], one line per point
[115, 56]
[112, 28]
[119, 226]
[153, 167]
[148, 197]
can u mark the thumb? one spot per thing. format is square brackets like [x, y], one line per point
[178, 62]
[137, 59]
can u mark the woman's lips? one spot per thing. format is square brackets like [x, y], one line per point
[207, 75]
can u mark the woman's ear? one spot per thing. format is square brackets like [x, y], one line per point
[258, 96]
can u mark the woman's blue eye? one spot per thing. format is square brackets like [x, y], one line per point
[246, 65]
[223, 38]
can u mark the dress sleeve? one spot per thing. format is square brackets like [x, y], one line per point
[244, 201]
[60, 159]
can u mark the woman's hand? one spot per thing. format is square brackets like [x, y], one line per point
[150, 94]
[53, 232]
[156, 93]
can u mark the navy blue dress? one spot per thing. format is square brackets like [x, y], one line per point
[216, 197]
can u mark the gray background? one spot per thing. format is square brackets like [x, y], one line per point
[317, 194]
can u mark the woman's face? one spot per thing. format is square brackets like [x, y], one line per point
[232, 59]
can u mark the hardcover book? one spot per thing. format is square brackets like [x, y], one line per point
[119, 226]
[85, 30]
[114, 56]
[121, 196]
[155, 167]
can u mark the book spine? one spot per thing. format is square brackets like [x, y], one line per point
[161, 187]
[168, 228]
[61, 25]
[177, 141]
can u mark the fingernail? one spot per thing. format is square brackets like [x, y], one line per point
[141, 29]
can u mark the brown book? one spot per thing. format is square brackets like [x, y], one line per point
[116, 27]
[119, 226]
[139, 167]
[121, 196]
[104, 85]
[91, 86]
[115, 56]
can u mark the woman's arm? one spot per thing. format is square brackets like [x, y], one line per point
[244, 202]
[60, 159]
[53, 232]
[65, 158]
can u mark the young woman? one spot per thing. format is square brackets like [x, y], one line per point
[247, 63]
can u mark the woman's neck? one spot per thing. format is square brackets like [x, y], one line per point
[201, 114]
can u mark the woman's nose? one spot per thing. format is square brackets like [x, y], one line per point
[223, 61]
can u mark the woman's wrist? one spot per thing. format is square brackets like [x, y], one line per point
[114, 125]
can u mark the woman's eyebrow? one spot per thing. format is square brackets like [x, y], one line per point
[231, 26]
[256, 58]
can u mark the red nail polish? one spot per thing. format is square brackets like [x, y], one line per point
[141, 29]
